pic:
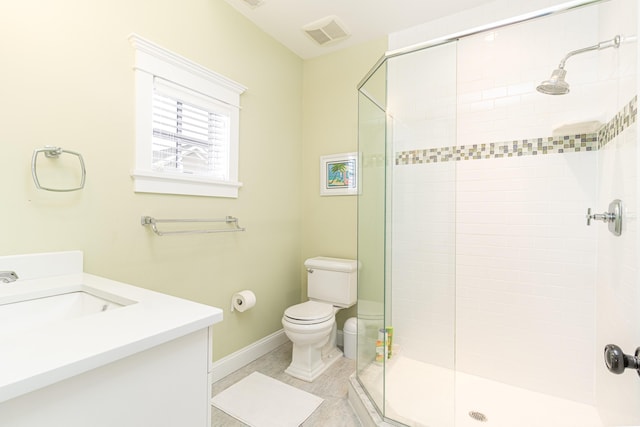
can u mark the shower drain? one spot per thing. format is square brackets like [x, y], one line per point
[478, 416]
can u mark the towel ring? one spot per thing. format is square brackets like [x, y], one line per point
[53, 153]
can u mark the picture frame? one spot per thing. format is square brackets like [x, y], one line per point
[339, 174]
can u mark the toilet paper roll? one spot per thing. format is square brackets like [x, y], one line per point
[243, 301]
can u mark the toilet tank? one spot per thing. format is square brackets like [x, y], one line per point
[332, 280]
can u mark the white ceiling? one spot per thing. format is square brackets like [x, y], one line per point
[365, 20]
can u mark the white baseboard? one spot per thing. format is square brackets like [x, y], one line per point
[234, 361]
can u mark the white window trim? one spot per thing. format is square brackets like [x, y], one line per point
[152, 60]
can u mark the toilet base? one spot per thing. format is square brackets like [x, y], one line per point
[307, 366]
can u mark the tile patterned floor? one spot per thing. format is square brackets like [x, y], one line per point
[332, 386]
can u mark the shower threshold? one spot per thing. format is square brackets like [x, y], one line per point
[421, 395]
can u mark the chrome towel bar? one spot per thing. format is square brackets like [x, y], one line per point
[147, 220]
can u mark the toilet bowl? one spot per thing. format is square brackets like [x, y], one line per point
[311, 325]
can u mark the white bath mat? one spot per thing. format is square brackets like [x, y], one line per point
[261, 401]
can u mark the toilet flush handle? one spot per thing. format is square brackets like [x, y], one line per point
[309, 270]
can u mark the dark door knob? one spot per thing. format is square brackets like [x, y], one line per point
[617, 361]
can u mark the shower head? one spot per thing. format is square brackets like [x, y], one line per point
[556, 85]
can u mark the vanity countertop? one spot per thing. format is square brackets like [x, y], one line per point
[37, 357]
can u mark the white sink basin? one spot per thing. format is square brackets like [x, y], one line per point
[53, 329]
[39, 310]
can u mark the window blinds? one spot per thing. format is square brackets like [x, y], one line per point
[190, 133]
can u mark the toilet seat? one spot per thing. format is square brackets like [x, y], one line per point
[309, 313]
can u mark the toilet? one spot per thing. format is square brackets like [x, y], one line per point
[311, 325]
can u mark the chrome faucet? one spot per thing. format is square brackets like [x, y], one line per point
[8, 276]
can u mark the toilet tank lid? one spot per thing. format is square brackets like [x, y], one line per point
[332, 264]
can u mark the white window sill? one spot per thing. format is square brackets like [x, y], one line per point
[152, 182]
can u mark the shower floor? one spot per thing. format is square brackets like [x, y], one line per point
[421, 395]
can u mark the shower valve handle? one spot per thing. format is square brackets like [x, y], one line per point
[604, 217]
[617, 361]
[613, 218]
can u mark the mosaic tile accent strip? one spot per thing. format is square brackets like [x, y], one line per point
[526, 147]
[496, 150]
[619, 123]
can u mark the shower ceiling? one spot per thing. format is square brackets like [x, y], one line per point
[364, 20]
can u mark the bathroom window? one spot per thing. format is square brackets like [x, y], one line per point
[190, 137]
[187, 120]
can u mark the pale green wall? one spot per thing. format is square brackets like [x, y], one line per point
[67, 80]
[330, 126]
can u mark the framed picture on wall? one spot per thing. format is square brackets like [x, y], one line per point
[338, 174]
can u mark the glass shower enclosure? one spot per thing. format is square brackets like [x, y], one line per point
[483, 294]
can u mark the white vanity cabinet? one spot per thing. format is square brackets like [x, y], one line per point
[146, 363]
[164, 386]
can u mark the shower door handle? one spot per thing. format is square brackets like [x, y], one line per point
[617, 361]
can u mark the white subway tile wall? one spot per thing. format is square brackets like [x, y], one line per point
[423, 260]
[525, 272]
[500, 73]
[423, 105]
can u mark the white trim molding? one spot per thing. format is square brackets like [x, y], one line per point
[154, 53]
[155, 66]
[231, 363]
[153, 182]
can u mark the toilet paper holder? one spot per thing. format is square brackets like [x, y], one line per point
[243, 301]
[236, 302]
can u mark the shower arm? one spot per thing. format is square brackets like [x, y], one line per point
[614, 42]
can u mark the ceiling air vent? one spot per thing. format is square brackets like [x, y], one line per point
[326, 30]
[254, 3]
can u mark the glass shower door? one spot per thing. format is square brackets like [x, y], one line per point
[420, 376]
[407, 143]
[372, 205]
